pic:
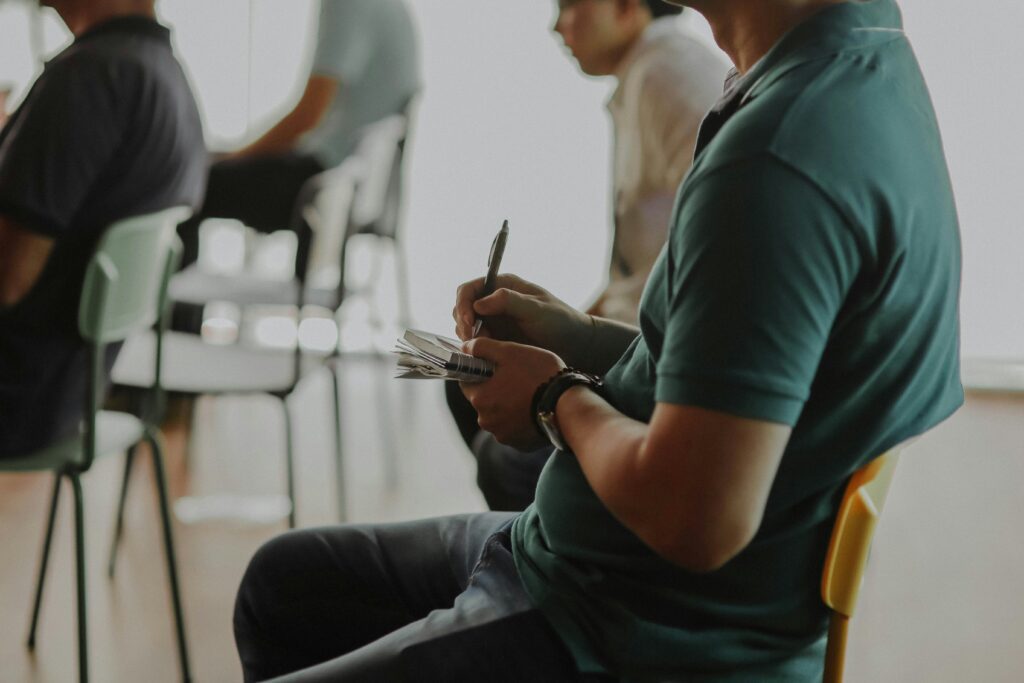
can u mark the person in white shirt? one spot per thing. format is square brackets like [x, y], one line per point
[667, 80]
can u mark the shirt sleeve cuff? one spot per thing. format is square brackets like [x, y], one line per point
[31, 220]
[729, 397]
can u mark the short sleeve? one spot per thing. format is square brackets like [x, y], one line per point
[761, 263]
[345, 39]
[57, 144]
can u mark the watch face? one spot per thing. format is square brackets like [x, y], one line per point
[547, 422]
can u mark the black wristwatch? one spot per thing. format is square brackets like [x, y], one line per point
[546, 398]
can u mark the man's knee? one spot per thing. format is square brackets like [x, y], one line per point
[304, 565]
[267, 573]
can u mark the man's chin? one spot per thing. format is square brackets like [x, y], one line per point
[589, 68]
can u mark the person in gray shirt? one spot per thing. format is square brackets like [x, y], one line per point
[365, 68]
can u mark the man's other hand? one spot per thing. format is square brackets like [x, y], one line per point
[503, 402]
[520, 311]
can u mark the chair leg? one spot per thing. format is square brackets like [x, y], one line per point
[172, 565]
[83, 649]
[388, 434]
[339, 460]
[129, 459]
[402, 285]
[190, 436]
[44, 561]
[289, 461]
[835, 652]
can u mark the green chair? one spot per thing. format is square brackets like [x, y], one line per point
[124, 282]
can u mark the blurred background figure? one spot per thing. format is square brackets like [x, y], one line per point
[5, 93]
[365, 68]
[667, 78]
[82, 151]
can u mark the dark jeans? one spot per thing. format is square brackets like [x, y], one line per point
[262, 192]
[505, 475]
[431, 600]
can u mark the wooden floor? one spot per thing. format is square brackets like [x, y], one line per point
[942, 602]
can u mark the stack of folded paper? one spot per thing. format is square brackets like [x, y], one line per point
[422, 355]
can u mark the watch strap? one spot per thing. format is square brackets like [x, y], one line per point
[545, 399]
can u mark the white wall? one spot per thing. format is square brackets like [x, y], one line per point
[508, 128]
[972, 53]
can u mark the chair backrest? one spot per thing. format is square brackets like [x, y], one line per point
[848, 552]
[123, 291]
[327, 213]
[360, 196]
[120, 293]
[381, 147]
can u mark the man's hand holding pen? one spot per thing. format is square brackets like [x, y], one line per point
[520, 311]
[526, 333]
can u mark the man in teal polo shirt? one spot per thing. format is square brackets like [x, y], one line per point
[801, 320]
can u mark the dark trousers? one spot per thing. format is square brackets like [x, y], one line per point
[262, 192]
[505, 475]
[431, 600]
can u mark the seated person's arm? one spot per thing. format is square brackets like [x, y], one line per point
[22, 257]
[692, 485]
[520, 311]
[315, 100]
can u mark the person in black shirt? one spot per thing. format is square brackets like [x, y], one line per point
[109, 130]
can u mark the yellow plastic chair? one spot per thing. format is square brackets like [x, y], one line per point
[848, 553]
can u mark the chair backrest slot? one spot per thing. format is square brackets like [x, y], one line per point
[122, 281]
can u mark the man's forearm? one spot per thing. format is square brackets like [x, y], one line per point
[607, 445]
[281, 138]
[693, 484]
[304, 117]
[22, 257]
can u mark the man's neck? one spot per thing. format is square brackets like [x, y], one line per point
[747, 29]
[85, 16]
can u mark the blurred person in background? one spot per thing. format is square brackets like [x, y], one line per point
[667, 78]
[5, 94]
[82, 151]
[365, 68]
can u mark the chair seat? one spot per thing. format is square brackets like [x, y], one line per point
[116, 432]
[195, 286]
[193, 366]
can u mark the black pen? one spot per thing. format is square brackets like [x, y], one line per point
[493, 263]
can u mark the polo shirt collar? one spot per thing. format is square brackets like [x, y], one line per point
[833, 30]
[129, 24]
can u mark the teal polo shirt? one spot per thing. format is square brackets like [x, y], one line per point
[811, 278]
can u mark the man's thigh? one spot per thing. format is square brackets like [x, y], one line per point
[260, 191]
[315, 594]
[490, 633]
